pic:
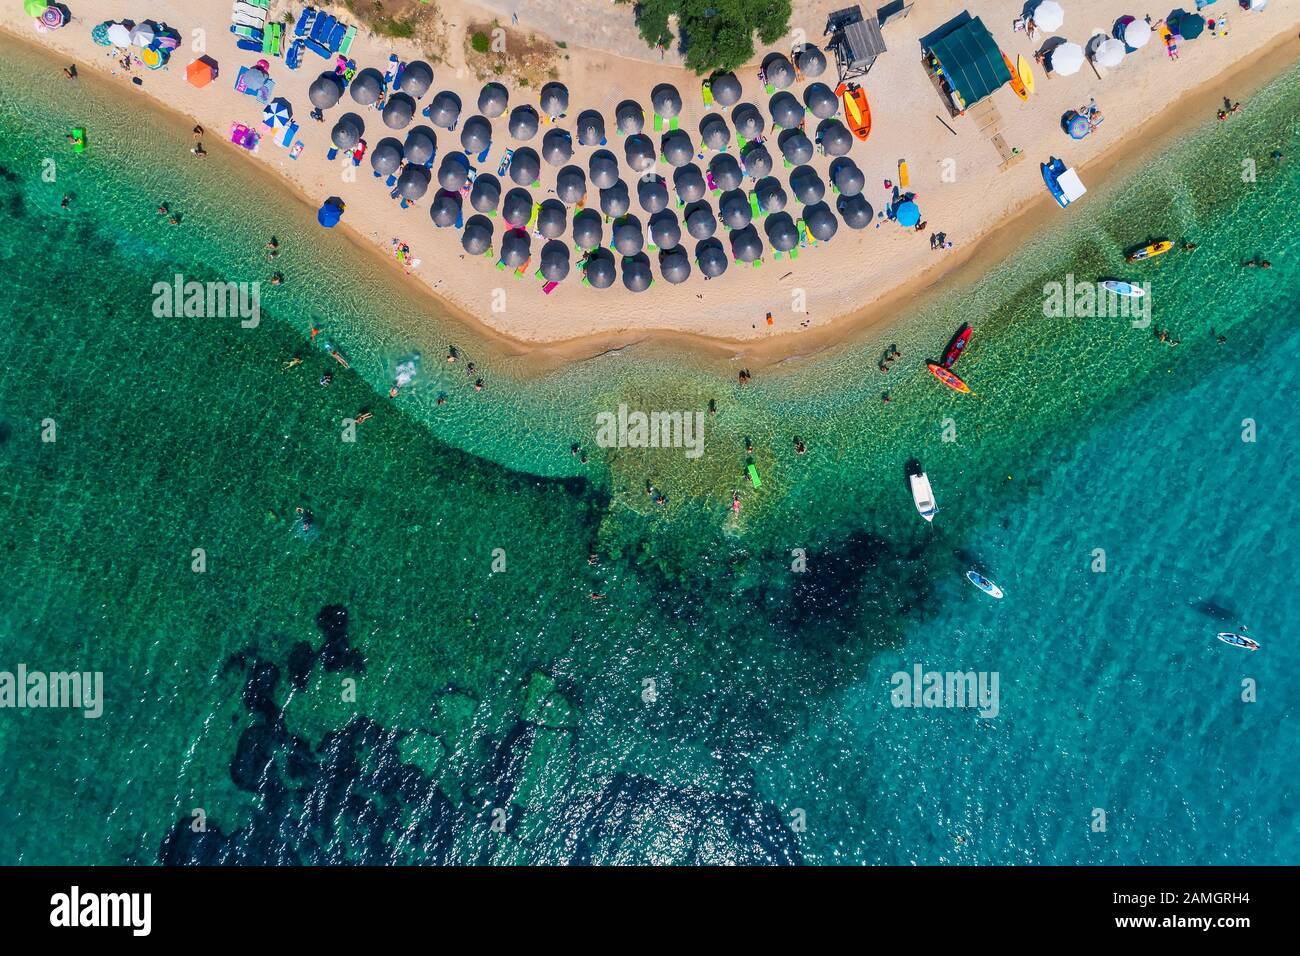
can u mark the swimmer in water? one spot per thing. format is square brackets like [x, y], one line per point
[305, 516]
[441, 399]
[478, 384]
[327, 378]
[293, 362]
[452, 354]
[799, 446]
[735, 502]
[277, 279]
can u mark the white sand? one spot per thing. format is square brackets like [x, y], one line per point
[881, 266]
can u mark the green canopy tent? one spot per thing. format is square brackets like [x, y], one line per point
[970, 60]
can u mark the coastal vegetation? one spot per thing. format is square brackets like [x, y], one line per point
[493, 53]
[404, 20]
[713, 34]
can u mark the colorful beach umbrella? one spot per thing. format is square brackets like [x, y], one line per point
[99, 35]
[1048, 15]
[908, 214]
[200, 73]
[277, 113]
[52, 18]
[153, 58]
[1067, 59]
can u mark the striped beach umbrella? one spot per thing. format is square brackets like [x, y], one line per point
[277, 113]
[52, 18]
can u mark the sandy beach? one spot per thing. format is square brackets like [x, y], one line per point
[858, 279]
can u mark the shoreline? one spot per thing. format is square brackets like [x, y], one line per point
[946, 276]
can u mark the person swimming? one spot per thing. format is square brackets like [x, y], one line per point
[327, 378]
[304, 518]
[735, 502]
[799, 446]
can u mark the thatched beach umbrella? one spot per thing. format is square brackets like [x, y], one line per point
[524, 122]
[795, 146]
[855, 211]
[347, 131]
[554, 99]
[675, 265]
[591, 128]
[557, 146]
[725, 171]
[366, 87]
[514, 247]
[399, 110]
[552, 218]
[748, 121]
[476, 135]
[836, 140]
[636, 273]
[820, 99]
[735, 209]
[421, 144]
[639, 150]
[417, 77]
[770, 193]
[810, 61]
[324, 91]
[445, 209]
[725, 88]
[757, 160]
[714, 133]
[602, 169]
[652, 193]
[711, 258]
[444, 109]
[689, 183]
[600, 270]
[485, 194]
[701, 222]
[614, 200]
[665, 230]
[630, 117]
[493, 100]
[745, 244]
[555, 261]
[821, 222]
[778, 70]
[627, 236]
[665, 99]
[453, 171]
[807, 185]
[781, 232]
[413, 182]
[517, 207]
[386, 157]
[846, 177]
[787, 112]
[525, 166]
[677, 147]
[588, 229]
[571, 184]
[476, 237]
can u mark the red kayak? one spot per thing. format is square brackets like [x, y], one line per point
[955, 347]
[947, 377]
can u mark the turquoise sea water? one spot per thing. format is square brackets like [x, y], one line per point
[507, 717]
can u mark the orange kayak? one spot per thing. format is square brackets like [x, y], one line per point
[1017, 84]
[948, 378]
[857, 112]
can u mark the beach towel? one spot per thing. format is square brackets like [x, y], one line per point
[290, 132]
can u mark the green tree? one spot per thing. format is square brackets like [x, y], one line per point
[716, 34]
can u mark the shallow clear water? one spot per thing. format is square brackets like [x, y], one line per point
[513, 698]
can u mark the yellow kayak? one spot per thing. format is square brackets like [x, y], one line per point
[1026, 73]
[1151, 251]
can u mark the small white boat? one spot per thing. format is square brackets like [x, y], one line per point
[984, 584]
[1238, 640]
[1123, 288]
[922, 495]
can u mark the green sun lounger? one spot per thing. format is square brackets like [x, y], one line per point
[706, 91]
[346, 43]
[659, 123]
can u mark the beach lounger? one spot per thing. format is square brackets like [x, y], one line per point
[252, 46]
[248, 33]
[293, 59]
[318, 48]
[659, 123]
[335, 39]
[333, 153]
[706, 91]
[241, 19]
[672, 123]
[304, 22]
[523, 266]
[549, 287]
[347, 40]
[321, 27]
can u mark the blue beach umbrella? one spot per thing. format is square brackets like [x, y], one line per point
[278, 113]
[907, 214]
[1076, 126]
[330, 213]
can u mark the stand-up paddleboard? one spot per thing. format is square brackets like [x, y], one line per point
[984, 584]
[1123, 288]
[948, 378]
[1026, 73]
[1017, 84]
[1238, 640]
[753, 476]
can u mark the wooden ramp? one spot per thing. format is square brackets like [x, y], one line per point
[988, 120]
